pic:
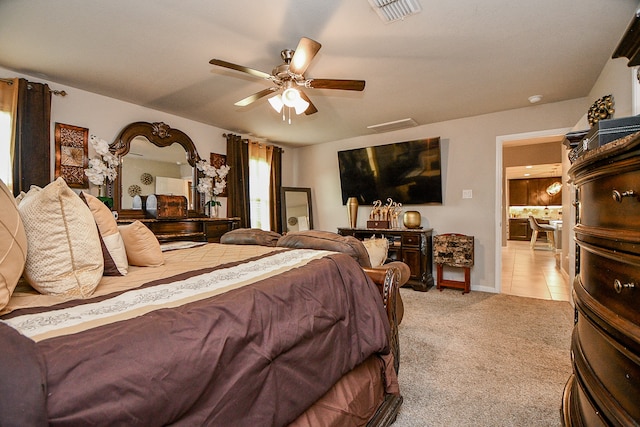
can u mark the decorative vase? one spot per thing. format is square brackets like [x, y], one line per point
[213, 211]
[352, 211]
[412, 219]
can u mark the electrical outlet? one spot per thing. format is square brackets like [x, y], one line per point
[467, 194]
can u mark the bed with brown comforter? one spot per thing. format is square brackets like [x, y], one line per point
[219, 335]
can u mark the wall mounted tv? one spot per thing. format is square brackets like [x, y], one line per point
[408, 172]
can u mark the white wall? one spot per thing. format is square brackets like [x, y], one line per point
[105, 117]
[468, 162]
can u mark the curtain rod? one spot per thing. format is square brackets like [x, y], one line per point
[55, 92]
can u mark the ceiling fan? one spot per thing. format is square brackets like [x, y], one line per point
[287, 77]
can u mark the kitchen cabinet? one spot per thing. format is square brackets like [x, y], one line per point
[533, 192]
[519, 229]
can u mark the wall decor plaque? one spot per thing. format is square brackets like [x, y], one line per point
[72, 154]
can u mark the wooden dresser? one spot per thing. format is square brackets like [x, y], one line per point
[411, 246]
[604, 389]
[192, 229]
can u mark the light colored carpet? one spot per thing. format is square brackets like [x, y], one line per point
[482, 359]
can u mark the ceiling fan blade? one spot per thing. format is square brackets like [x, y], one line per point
[253, 98]
[241, 68]
[311, 109]
[335, 84]
[303, 55]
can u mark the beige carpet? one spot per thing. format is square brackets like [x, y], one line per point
[482, 359]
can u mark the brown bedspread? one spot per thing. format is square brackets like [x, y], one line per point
[257, 355]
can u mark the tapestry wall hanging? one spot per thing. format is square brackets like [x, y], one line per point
[72, 154]
[218, 160]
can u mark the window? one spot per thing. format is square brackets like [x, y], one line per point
[259, 171]
[259, 185]
[5, 148]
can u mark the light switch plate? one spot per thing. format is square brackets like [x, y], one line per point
[467, 194]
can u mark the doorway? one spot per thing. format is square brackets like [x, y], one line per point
[520, 270]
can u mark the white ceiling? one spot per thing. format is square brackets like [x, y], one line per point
[455, 59]
[534, 171]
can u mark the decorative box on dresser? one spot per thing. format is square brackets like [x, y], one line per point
[604, 389]
[411, 246]
[192, 229]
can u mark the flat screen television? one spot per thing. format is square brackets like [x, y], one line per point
[409, 172]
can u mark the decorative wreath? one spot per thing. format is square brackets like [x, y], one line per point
[146, 178]
[134, 190]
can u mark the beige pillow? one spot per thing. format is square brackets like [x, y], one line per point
[111, 237]
[143, 248]
[377, 249]
[64, 255]
[13, 245]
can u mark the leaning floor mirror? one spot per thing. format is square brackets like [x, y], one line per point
[296, 209]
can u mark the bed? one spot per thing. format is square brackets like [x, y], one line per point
[217, 334]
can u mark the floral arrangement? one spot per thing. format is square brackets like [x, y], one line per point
[104, 165]
[214, 181]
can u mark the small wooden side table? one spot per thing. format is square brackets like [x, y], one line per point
[453, 250]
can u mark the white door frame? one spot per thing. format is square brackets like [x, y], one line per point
[500, 140]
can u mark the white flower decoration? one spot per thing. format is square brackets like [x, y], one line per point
[104, 166]
[214, 181]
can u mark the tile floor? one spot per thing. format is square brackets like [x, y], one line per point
[532, 273]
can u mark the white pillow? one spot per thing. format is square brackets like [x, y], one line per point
[377, 250]
[64, 256]
[13, 245]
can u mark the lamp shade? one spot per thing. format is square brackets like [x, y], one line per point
[276, 103]
[554, 188]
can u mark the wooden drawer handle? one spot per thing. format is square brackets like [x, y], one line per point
[618, 196]
[619, 286]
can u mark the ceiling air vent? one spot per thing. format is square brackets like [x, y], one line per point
[392, 10]
[396, 125]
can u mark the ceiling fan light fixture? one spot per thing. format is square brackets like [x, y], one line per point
[393, 10]
[299, 104]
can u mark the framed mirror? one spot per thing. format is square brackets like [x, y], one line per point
[155, 159]
[297, 214]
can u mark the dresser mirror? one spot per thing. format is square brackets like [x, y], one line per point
[296, 209]
[155, 159]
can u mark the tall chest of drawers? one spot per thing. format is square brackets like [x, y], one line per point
[604, 389]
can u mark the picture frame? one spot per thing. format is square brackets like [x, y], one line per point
[72, 154]
[218, 160]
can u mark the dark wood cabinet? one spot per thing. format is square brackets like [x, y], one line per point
[188, 229]
[411, 246]
[518, 192]
[533, 192]
[519, 229]
[605, 346]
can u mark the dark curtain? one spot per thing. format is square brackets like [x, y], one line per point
[238, 179]
[275, 187]
[32, 165]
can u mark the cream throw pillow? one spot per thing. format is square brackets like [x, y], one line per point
[108, 228]
[377, 249]
[64, 256]
[13, 245]
[143, 248]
